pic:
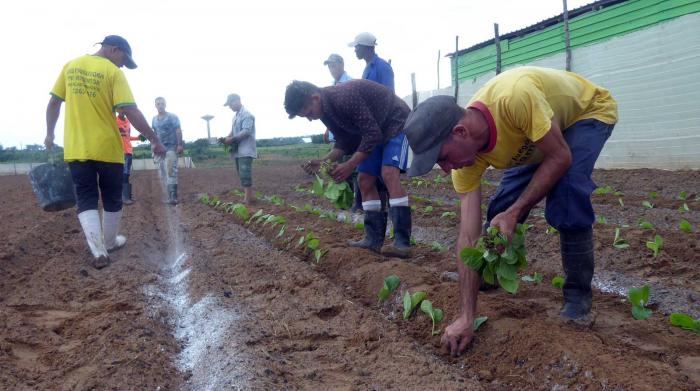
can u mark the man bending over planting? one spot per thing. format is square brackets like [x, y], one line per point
[547, 128]
[367, 121]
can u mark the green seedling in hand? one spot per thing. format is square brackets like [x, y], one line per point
[435, 314]
[639, 297]
[410, 302]
[448, 215]
[685, 226]
[619, 242]
[558, 282]
[645, 224]
[438, 247]
[685, 322]
[656, 245]
[536, 278]
[390, 284]
[479, 321]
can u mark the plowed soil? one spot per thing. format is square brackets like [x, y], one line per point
[202, 299]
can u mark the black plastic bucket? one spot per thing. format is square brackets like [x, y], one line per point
[53, 186]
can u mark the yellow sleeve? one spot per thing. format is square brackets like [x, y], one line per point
[468, 178]
[59, 88]
[529, 110]
[121, 93]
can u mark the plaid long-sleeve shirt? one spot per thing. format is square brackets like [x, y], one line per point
[362, 114]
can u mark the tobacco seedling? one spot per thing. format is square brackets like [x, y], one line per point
[256, 215]
[410, 302]
[683, 195]
[239, 210]
[390, 284]
[318, 254]
[428, 209]
[647, 204]
[536, 278]
[282, 231]
[359, 226]
[685, 322]
[653, 195]
[684, 208]
[639, 297]
[486, 182]
[656, 245]
[435, 314]
[604, 190]
[601, 220]
[479, 321]
[448, 215]
[418, 182]
[685, 226]
[204, 199]
[558, 282]
[619, 242]
[645, 224]
[497, 259]
[299, 189]
[442, 179]
[551, 230]
[438, 247]
[276, 200]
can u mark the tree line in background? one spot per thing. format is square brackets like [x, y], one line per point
[198, 150]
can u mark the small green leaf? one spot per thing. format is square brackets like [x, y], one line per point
[428, 209]
[448, 215]
[601, 220]
[551, 230]
[479, 321]
[536, 278]
[640, 313]
[558, 282]
[683, 195]
[411, 301]
[472, 257]
[653, 195]
[510, 286]
[647, 204]
[685, 322]
[685, 226]
[390, 284]
[644, 224]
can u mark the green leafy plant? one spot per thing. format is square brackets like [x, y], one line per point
[204, 199]
[438, 247]
[435, 314]
[411, 301]
[685, 226]
[239, 210]
[479, 321]
[619, 242]
[645, 224]
[551, 230]
[486, 182]
[439, 179]
[601, 220]
[428, 209]
[653, 195]
[685, 321]
[282, 231]
[448, 215]
[684, 208]
[418, 182]
[359, 226]
[558, 282]
[639, 297]
[604, 190]
[256, 215]
[497, 259]
[647, 204]
[683, 195]
[536, 278]
[390, 284]
[656, 245]
[276, 200]
[300, 189]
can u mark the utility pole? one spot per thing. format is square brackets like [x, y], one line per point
[208, 118]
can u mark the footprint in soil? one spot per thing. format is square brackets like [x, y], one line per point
[329, 312]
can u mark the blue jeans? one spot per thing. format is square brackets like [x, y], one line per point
[569, 202]
[127, 166]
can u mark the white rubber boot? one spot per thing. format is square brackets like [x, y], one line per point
[110, 225]
[90, 222]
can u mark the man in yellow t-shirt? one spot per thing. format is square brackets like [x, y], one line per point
[93, 88]
[547, 128]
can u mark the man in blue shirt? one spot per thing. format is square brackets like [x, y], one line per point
[167, 127]
[376, 69]
[336, 66]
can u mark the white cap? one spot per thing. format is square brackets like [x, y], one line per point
[364, 39]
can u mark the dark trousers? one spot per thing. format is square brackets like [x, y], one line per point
[569, 202]
[92, 179]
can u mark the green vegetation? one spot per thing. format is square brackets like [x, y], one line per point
[558, 282]
[536, 278]
[656, 245]
[685, 322]
[438, 247]
[411, 301]
[685, 226]
[639, 297]
[645, 224]
[339, 194]
[647, 204]
[448, 215]
[619, 242]
[479, 321]
[390, 284]
[435, 314]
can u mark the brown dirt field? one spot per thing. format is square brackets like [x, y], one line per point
[200, 299]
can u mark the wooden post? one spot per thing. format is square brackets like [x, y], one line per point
[415, 93]
[567, 40]
[438, 70]
[456, 68]
[497, 41]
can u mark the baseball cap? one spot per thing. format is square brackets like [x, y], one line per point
[232, 98]
[427, 128]
[123, 45]
[334, 59]
[364, 39]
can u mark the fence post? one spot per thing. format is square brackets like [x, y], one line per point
[456, 68]
[497, 41]
[567, 38]
[413, 87]
[438, 70]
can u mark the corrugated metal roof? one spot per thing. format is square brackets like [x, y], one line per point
[595, 6]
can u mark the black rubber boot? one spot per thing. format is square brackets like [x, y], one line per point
[126, 194]
[172, 194]
[578, 262]
[401, 219]
[357, 206]
[375, 230]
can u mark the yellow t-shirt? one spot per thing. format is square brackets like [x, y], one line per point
[519, 106]
[93, 88]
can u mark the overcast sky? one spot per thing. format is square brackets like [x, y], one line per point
[194, 53]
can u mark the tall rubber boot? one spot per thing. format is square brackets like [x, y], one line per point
[579, 263]
[401, 219]
[110, 226]
[375, 230]
[172, 194]
[90, 222]
[126, 194]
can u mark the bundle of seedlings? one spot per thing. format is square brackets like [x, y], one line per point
[340, 194]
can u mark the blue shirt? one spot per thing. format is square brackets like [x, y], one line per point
[379, 71]
[166, 129]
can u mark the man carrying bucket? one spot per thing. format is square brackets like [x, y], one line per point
[93, 87]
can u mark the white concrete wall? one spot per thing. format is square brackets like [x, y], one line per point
[654, 74]
[138, 164]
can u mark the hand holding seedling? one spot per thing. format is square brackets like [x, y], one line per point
[457, 336]
[312, 166]
[342, 171]
[505, 222]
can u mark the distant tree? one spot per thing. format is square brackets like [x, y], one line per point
[317, 139]
[34, 147]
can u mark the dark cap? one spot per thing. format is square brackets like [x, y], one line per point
[232, 98]
[427, 128]
[297, 95]
[123, 45]
[334, 59]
